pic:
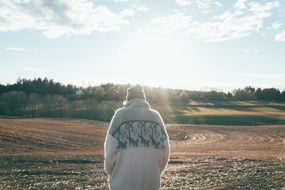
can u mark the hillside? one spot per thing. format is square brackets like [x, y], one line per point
[224, 113]
[46, 98]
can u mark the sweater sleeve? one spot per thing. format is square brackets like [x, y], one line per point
[110, 153]
[166, 154]
[166, 147]
[110, 148]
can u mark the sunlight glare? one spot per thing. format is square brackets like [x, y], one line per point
[156, 55]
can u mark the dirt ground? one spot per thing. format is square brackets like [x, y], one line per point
[68, 154]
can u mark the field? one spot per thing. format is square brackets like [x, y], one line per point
[225, 113]
[68, 154]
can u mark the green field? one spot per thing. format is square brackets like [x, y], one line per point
[210, 112]
[225, 113]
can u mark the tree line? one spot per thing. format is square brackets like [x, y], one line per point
[44, 97]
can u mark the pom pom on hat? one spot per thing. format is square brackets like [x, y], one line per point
[135, 92]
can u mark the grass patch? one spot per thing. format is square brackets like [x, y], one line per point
[225, 113]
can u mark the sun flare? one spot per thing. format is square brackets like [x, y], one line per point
[156, 55]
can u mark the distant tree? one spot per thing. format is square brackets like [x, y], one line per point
[15, 102]
[229, 95]
[112, 93]
[39, 86]
[34, 102]
[107, 86]
[99, 92]
[271, 94]
[258, 94]
[2, 88]
[45, 97]
[282, 96]
[249, 89]
[122, 89]
[244, 94]
[214, 95]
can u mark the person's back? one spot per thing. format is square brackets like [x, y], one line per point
[136, 145]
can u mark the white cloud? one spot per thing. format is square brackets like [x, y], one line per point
[58, 18]
[205, 6]
[275, 25]
[18, 49]
[127, 13]
[229, 25]
[259, 7]
[142, 8]
[233, 25]
[133, 10]
[280, 36]
[240, 4]
[121, 0]
[174, 22]
[183, 2]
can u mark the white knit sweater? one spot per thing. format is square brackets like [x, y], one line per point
[136, 147]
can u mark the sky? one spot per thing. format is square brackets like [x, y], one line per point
[189, 44]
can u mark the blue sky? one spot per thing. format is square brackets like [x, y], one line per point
[192, 44]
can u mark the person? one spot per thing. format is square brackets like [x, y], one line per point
[136, 148]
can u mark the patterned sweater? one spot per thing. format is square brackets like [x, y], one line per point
[136, 147]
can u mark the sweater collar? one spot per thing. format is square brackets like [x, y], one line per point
[137, 102]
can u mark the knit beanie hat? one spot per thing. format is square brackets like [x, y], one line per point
[135, 92]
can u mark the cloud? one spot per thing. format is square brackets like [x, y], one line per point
[236, 24]
[57, 18]
[183, 2]
[18, 49]
[275, 25]
[133, 10]
[259, 7]
[280, 36]
[121, 0]
[240, 4]
[174, 22]
[227, 26]
[204, 5]
[142, 8]
[127, 13]
[136, 5]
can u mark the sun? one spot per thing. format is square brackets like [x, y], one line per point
[154, 56]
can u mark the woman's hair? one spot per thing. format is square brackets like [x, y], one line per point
[135, 92]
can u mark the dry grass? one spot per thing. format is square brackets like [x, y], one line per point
[225, 113]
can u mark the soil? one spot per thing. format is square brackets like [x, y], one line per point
[68, 154]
